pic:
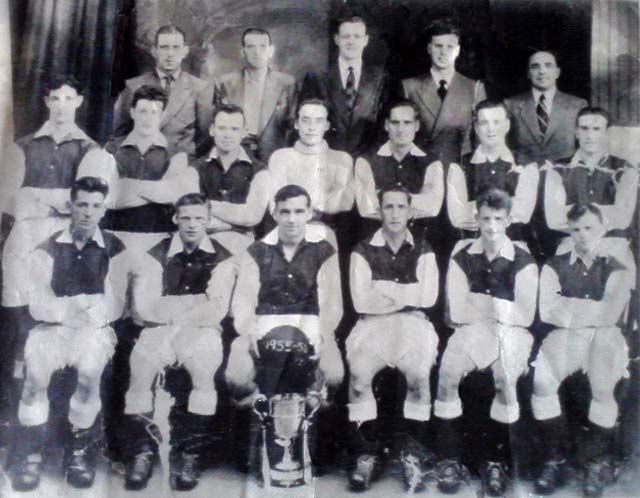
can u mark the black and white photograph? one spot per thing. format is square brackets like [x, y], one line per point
[319, 248]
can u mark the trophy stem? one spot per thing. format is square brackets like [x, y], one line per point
[287, 462]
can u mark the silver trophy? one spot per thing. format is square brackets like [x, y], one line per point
[287, 412]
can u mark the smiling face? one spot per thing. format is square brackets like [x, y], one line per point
[591, 132]
[351, 40]
[586, 232]
[63, 104]
[192, 221]
[543, 71]
[169, 52]
[228, 131]
[291, 216]
[257, 50]
[402, 126]
[86, 212]
[395, 211]
[147, 116]
[444, 50]
[312, 124]
[493, 224]
[492, 126]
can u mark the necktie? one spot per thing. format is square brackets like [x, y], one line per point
[442, 90]
[168, 81]
[350, 88]
[543, 115]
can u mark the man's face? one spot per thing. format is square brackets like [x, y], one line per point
[444, 50]
[169, 52]
[228, 131]
[192, 223]
[312, 124]
[292, 216]
[492, 126]
[63, 104]
[86, 212]
[402, 126]
[257, 50]
[592, 134]
[147, 115]
[493, 223]
[351, 40]
[543, 71]
[586, 232]
[395, 212]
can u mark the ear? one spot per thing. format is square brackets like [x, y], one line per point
[386, 125]
[185, 51]
[295, 125]
[457, 51]
[327, 126]
[69, 204]
[174, 218]
[154, 52]
[336, 39]
[508, 125]
[366, 40]
[242, 53]
[79, 101]
[417, 124]
[271, 50]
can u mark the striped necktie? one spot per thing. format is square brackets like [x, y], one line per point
[350, 88]
[543, 114]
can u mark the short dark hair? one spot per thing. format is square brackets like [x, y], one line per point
[89, 184]
[594, 111]
[169, 29]
[394, 188]
[192, 199]
[402, 103]
[227, 109]
[57, 81]
[579, 209]
[255, 31]
[494, 198]
[352, 20]
[443, 26]
[150, 92]
[489, 104]
[553, 53]
[289, 192]
[312, 101]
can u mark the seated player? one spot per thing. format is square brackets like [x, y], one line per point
[491, 165]
[583, 293]
[77, 288]
[394, 278]
[399, 162]
[181, 291]
[491, 291]
[238, 186]
[323, 172]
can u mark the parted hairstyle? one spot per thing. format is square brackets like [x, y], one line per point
[312, 101]
[228, 109]
[255, 31]
[193, 199]
[352, 20]
[489, 104]
[169, 29]
[579, 209]
[402, 103]
[594, 111]
[394, 188]
[89, 184]
[494, 198]
[57, 81]
[150, 92]
[443, 26]
[289, 192]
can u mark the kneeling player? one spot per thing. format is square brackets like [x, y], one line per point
[491, 289]
[77, 289]
[393, 279]
[181, 290]
[584, 293]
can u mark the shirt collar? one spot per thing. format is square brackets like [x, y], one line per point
[73, 132]
[438, 75]
[249, 76]
[548, 95]
[378, 239]
[161, 74]
[313, 150]
[242, 156]
[507, 251]
[177, 246]
[579, 159]
[344, 66]
[159, 140]
[503, 153]
[385, 150]
[314, 232]
[66, 238]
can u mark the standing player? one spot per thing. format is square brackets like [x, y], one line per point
[237, 185]
[491, 291]
[583, 294]
[181, 292]
[394, 278]
[77, 288]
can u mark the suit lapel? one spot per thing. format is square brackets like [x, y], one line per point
[366, 87]
[447, 106]
[270, 96]
[527, 110]
[342, 109]
[179, 94]
[557, 113]
[428, 94]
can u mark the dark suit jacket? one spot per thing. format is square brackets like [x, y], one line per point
[356, 130]
[277, 106]
[560, 139]
[186, 119]
[445, 127]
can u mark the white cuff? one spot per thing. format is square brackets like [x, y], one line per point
[546, 407]
[37, 413]
[415, 411]
[136, 403]
[83, 415]
[203, 402]
[507, 414]
[603, 414]
[363, 411]
[447, 409]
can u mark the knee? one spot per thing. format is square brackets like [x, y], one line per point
[449, 377]
[240, 370]
[545, 382]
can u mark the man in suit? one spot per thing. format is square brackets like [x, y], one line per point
[265, 95]
[445, 97]
[188, 115]
[355, 91]
[543, 119]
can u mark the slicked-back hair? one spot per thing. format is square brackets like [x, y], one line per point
[443, 26]
[579, 209]
[594, 111]
[553, 53]
[312, 101]
[255, 31]
[169, 29]
[192, 199]
[150, 92]
[228, 109]
[352, 20]
[394, 188]
[402, 103]
[489, 104]
[494, 198]
[89, 184]
[289, 192]
[57, 81]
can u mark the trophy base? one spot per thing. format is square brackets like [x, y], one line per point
[287, 479]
